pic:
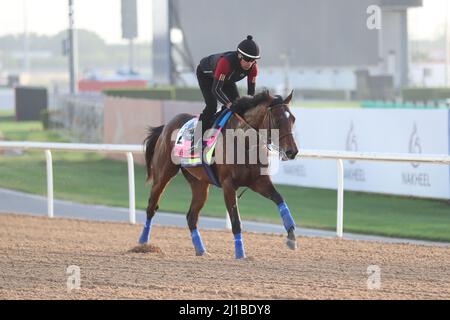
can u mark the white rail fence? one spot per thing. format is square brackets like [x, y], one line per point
[80, 147]
[339, 156]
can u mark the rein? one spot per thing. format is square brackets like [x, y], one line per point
[268, 116]
[269, 113]
[266, 143]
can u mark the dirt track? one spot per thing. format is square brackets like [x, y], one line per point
[35, 252]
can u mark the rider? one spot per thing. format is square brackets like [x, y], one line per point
[217, 75]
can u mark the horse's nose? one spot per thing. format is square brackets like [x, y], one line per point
[291, 153]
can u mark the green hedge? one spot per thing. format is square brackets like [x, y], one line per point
[188, 94]
[150, 93]
[163, 93]
[322, 94]
[425, 94]
[400, 105]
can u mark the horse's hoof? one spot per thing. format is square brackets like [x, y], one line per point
[142, 241]
[292, 244]
[200, 254]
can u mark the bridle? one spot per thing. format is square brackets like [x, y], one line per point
[268, 117]
[276, 103]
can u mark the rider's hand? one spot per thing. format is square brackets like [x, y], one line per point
[228, 105]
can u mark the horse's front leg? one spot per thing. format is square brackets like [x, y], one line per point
[229, 192]
[264, 186]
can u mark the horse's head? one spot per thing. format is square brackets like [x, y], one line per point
[280, 117]
[264, 111]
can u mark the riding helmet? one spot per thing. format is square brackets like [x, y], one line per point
[249, 48]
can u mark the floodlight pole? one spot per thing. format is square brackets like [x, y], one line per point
[26, 42]
[447, 57]
[73, 57]
[131, 55]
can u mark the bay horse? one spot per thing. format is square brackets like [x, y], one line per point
[261, 111]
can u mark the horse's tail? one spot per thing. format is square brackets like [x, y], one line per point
[150, 143]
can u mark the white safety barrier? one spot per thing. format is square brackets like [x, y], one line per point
[339, 156]
[81, 147]
[129, 149]
[385, 131]
[368, 156]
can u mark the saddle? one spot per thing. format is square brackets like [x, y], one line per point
[190, 153]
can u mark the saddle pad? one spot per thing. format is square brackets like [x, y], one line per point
[184, 140]
[193, 158]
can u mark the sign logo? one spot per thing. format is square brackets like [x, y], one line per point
[414, 144]
[420, 179]
[351, 143]
[354, 173]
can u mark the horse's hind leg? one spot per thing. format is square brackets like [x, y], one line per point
[199, 196]
[160, 181]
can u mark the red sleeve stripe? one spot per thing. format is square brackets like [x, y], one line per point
[253, 72]
[222, 67]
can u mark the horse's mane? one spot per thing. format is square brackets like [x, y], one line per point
[247, 103]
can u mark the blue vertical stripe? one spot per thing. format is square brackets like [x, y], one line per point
[145, 236]
[239, 246]
[197, 241]
[225, 119]
[285, 214]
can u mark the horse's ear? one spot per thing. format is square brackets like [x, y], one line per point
[289, 98]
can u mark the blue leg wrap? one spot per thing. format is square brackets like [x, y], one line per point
[197, 241]
[146, 232]
[239, 246]
[285, 213]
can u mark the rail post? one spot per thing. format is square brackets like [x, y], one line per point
[48, 157]
[340, 199]
[132, 197]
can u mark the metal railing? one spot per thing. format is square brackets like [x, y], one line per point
[339, 156]
[81, 147]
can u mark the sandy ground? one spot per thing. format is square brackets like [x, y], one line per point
[35, 253]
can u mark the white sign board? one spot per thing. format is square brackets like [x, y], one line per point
[372, 130]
